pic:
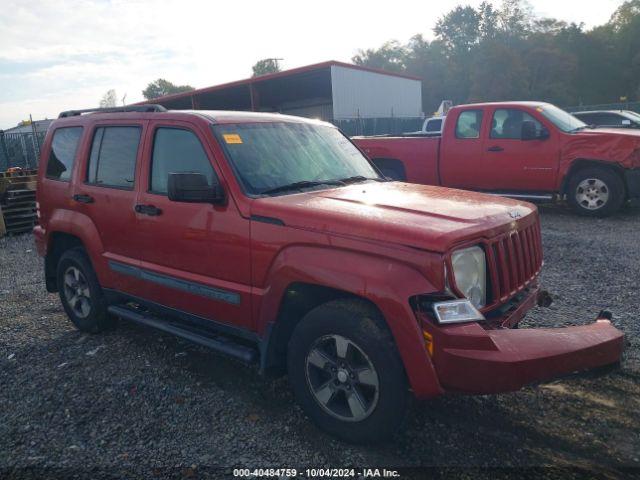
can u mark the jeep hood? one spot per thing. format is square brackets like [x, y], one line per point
[419, 216]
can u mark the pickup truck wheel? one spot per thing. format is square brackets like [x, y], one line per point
[80, 292]
[596, 192]
[346, 372]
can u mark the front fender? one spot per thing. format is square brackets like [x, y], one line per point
[386, 283]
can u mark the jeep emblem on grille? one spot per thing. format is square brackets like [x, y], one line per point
[515, 214]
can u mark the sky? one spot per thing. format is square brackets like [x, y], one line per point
[64, 54]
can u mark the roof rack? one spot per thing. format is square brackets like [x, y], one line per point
[130, 108]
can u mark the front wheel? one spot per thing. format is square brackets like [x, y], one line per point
[596, 192]
[346, 372]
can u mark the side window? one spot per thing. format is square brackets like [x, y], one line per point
[589, 119]
[468, 125]
[507, 123]
[434, 125]
[63, 153]
[113, 157]
[611, 119]
[177, 151]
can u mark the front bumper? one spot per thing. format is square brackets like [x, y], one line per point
[489, 358]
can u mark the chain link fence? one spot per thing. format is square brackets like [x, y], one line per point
[633, 106]
[20, 149]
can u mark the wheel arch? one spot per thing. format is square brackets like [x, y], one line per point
[317, 275]
[582, 163]
[391, 164]
[59, 242]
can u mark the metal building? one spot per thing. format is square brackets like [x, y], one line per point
[351, 96]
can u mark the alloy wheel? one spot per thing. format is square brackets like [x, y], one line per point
[592, 193]
[76, 292]
[342, 378]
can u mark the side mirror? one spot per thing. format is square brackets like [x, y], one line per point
[193, 188]
[626, 123]
[529, 131]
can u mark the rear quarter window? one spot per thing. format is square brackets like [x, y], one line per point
[468, 124]
[63, 153]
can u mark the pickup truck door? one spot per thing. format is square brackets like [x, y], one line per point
[195, 257]
[512, 164]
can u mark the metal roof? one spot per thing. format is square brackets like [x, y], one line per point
[272, 76]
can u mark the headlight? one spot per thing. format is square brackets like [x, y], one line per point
[470, 273]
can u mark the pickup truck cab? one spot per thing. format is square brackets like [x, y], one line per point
[527, 150]
[271, 239]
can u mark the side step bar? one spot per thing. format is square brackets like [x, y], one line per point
[220, 344]
[534, 197]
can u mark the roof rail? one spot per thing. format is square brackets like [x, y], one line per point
[129, 108]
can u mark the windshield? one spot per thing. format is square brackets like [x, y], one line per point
[269, 156]
[632, 115]
[561, 119]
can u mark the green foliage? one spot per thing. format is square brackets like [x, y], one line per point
[265, 66]
[109, 99]
[162, 87]
[506, 53]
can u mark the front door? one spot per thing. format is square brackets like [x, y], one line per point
[513, 164]
[195, 257]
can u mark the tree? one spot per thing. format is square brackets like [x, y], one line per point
[162, 87]
[265, 66]
[109, 99]
[390, 56]
[459, 29]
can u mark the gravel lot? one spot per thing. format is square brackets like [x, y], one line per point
[141, 404]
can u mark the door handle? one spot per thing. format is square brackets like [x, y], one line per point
[495, 148]
[82, 198]
[150, 210]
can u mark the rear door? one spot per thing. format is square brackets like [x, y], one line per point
[195, 257]
[106, 193]
[512, 164]
[461, 149]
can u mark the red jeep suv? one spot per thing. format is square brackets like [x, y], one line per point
[273, 240]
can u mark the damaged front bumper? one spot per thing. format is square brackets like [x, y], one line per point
[484, 359]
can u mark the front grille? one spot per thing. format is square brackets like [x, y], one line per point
[514, 260]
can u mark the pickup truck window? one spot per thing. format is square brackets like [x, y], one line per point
[507, 123]
[113, 157]
[266, 156]
[433, 125]
[177, 151]
[468, 125]
[561, 119]
[63, 153]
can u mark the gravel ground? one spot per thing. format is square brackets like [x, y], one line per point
[139, 404]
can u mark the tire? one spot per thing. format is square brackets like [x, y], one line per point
[596, 192]
[77, 279]
[364, 407]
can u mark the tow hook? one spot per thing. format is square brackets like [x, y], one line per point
[544, 299]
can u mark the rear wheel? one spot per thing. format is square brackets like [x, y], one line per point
[346, 372]
[596, 192]
[80, 292]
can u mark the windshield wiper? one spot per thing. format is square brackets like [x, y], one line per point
[360, 178]
[300, 185]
